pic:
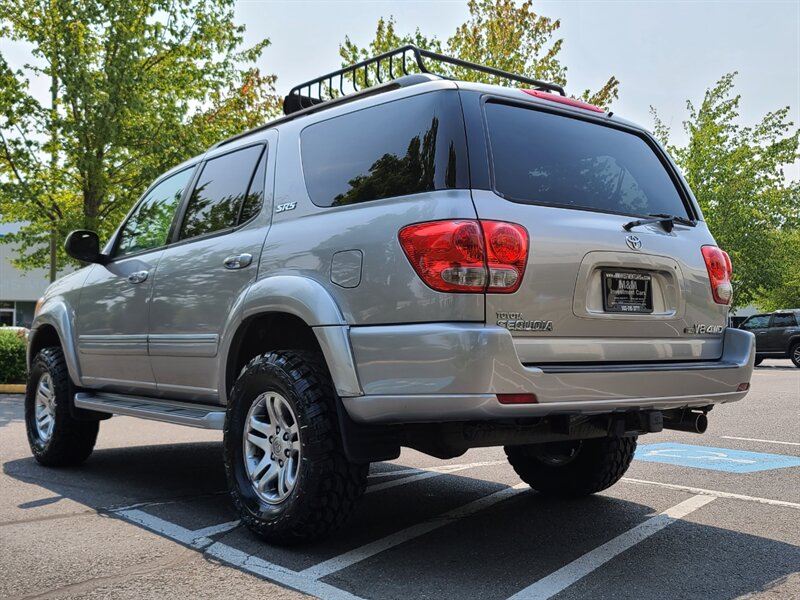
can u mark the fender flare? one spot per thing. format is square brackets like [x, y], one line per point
[56, 314]
[309, 301]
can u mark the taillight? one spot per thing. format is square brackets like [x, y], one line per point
[467, 256]
[718, 265]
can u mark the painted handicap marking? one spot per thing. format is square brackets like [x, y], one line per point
[716, 459]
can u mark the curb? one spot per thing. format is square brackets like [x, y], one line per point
[12, 388]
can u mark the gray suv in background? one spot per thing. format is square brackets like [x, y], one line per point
[777, 335]
[426, 262]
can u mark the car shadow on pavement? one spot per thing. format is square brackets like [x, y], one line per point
[492, 554]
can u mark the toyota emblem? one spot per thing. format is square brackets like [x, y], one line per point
[634, 243]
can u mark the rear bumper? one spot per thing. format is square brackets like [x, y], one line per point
[452, 372]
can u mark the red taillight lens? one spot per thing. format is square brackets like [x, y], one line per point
[507, 254]
[718, 265]
[467, 256]
[517, 398]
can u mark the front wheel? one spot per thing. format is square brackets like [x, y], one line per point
[55, 437]
[287, 473]
[573, 468]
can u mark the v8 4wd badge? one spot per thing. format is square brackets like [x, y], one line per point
[699, 329]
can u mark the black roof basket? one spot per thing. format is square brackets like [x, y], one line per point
[386, 67]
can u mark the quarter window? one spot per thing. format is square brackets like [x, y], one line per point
[784, 321]
[220, 192]
[403, 147]
[149, 225]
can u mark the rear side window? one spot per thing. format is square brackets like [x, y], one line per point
[403, 147]
[220, 191]
[544, 158]
[756, 322]
[785, 320]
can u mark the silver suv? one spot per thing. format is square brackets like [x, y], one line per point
[426, 262]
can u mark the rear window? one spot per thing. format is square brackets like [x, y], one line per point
[784, 320]
[403, 147]
[544, 158]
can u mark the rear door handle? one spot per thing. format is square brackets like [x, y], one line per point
[238, 261]
[138, 276]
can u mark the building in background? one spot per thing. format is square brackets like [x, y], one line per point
[19, 290]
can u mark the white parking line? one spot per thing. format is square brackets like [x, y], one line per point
[277, 573]
[420, 474]
[337, 563]
[216, 529]
[195, 539]
[715, 493]
[730, 437]
[558, 581]
[441, 468]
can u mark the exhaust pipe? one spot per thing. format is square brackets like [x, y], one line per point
[693, 422]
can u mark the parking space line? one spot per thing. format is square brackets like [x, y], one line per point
[730, 437]
[441, 468]
[366, 551]
[159, 525]
[715, 493]
[287, 577]
[216, 529]
[420, 474]
[558, 581]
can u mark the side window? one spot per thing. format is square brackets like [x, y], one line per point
[756, 322]
[402, 147]
[149, 225]
[785, 320]
[219, 193]
[255, 195]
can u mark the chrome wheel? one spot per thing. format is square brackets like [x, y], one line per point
[796, 355]
[272, 447]
[45, 408]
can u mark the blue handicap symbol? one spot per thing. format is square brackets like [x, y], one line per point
[716, 459]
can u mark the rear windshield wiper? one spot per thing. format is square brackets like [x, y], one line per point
[667, 221]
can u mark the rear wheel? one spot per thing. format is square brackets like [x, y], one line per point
[573, 468]
[287, 472]
[794, 354]
[55, 437]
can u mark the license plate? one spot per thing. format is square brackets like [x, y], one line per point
[627, 292]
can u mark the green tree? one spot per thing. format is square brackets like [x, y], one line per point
[737, 174]
[499, 34]
[135, 87]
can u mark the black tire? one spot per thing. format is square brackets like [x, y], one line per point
[759, 360]
[794, 354]
[70, 441]
[576, 468]
[326, 486]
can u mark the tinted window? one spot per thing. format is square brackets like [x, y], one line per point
[785, 320]
[756, 322]
[255, 195]
[148, 226]
[219, 192]
[403, 147]
[543, 158]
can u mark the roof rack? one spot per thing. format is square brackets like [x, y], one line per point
[386, 67]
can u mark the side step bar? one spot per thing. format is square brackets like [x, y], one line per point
[177, 413]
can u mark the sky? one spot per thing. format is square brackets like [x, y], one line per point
[663, 52]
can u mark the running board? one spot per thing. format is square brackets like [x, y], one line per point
[177, 413]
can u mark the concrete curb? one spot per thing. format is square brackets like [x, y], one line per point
[12, 388]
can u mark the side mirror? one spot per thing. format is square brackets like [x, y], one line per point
[84, 246]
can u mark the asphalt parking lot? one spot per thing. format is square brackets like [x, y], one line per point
[147, 517]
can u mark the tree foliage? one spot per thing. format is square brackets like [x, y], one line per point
[737, 174]
[136, 86]
[499, 34]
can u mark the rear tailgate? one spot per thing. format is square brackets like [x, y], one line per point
[592, 291]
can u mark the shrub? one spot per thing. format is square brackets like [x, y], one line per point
[12, 358]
